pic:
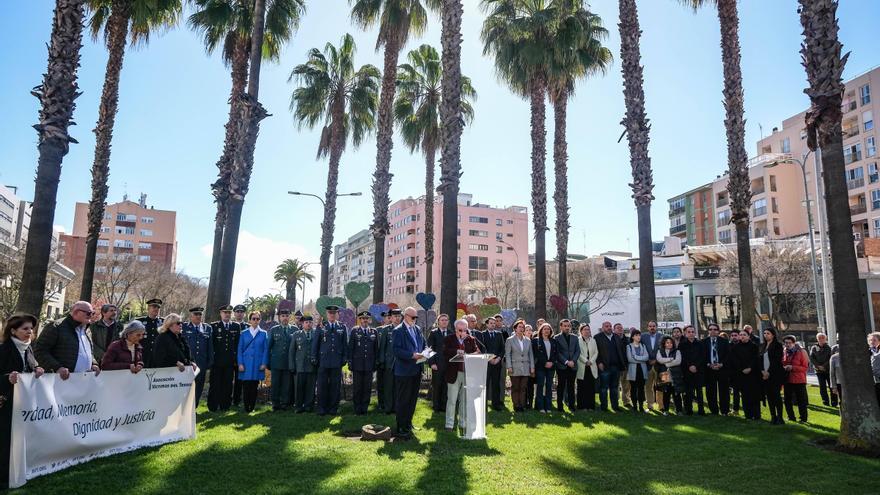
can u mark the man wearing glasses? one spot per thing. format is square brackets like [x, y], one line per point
[151, 322]
[64, 346]
[329, 353]
[408, 346]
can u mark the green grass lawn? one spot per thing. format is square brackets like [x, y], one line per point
[530, 453]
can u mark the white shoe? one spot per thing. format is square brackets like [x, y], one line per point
[543, 411]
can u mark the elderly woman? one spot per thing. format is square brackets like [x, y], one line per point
[253, 357]
[520, 364]
[796, 362]
[171, 348]
[126, 353]
[16, 356]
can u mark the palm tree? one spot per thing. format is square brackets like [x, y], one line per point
[636, 127]
[397, 19]
[451, 123]
[57, 94]
[821, 53]
[739, 185]
[227, 24]
[579, 54]
[417, 113]
[331, 92]
[293, 273]
[519, 33]
[116, 18]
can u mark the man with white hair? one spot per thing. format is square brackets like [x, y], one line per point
[408, 345]
[820, 357]
[64, 345]
[459, 343]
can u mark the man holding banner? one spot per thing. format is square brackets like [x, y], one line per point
[64, 346]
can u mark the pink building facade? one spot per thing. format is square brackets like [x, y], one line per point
[489, 240]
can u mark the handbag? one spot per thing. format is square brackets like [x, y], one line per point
[666, 377]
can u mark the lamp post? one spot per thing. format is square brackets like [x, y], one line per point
[325, 270]
[517, 269]
[787, 158]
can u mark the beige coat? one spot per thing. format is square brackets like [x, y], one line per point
[589, 354]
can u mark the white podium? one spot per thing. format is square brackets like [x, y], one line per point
[475, 394]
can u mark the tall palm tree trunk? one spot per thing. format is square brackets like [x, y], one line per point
[57, 95]
[382, 175]
[539, 194]
[560, 196]
[117, 31]
[637, 127]
[450, 151]
[821, 51]
[430, 157]
[250, 113]
[220, 188]
[739, 185]
[327, 225]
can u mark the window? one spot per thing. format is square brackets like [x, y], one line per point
[478, 233]
[510, 222]
[145, 245]
[724, 236]
[147, 220]
[105, 230]
[865, 94]
[870, 148]
[478, 268]
[103, 243]
[499, 236]
[499, 249]
[131, 218]
[498, 263]
[509, 235]
[852, 153]
[786, 145]
[873, 175]
[146, 233]
[125, 230]
[120, 217]
[498, 222]
[877, 227]
[772, 183]
[875, 199]
[478, 220]
[868, 120]
[108, 216]
[803, 134]
[774, 206]
[143, 257]
[724, 217]
[123, 243]
[100, 269]
[478, 247]
[760, 207]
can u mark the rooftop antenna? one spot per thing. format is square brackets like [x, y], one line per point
[762, 130]
[125, 191]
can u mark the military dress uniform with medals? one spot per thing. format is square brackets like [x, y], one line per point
[279, 363]
[328, 353]
[303, 368]
[385, 376]
[201, 348]
[363, 351]
[224, 337]
[151, 326]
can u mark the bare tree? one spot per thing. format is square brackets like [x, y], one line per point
[11, 269]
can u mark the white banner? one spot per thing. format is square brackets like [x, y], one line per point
[60, 423]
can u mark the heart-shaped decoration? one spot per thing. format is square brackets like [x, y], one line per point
[376, 311]
[346, 316]
[489, 310]
[459, 314]
[473, 309]
[426, 319]
[357, 292]
[324, 301]
[426, 301]
[490, 300]
[559, 303]
[509, 316]
[393, 306]
[462, 306]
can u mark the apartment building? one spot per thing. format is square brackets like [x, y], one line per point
[352, 262]
[692, 216]
[489, 239]
[128, 229]
[15, 217]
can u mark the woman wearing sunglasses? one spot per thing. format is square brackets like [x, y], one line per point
[16, 356]
[171, 348]
[253, 356]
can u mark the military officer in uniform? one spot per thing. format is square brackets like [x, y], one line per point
[386, 360]
[328, 353]
[363, 350]
[279, 360]
[224, 337]
[297, 319]
[438, 363]
[201, 346]
[302, 367]
[238, 315]
[151, 322]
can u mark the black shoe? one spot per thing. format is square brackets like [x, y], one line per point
[616, 408]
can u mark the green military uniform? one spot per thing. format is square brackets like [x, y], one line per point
[300, 363]
[385, 375]
[279, 364]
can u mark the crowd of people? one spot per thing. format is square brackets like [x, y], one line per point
[722, 373]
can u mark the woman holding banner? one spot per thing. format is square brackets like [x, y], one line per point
[171, 348]
[126, 353]
[16, 356]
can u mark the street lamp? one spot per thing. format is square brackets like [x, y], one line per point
[787, 158]
[517, 270]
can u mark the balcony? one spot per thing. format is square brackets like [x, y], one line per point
[411, 264]
[760, 233]
[848, 106]
[757, 212]
[855, 183]
[758, 190]
[857, 209]
[677, 229]
[676, 211]
[722, 202]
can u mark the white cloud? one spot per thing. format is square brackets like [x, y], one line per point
[255, 263]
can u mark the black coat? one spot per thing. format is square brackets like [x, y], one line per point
[745, 356]
[692, 354]
[777, 372]
[607, 347]
[722, 348]
[10, 360]
[494, 342]
[225, 343]
[540, 352]
[169, 349]
[58, 345]
[435, 342]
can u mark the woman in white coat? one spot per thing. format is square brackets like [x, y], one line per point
[637, 371]
[587, 371]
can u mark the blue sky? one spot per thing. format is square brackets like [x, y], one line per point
[169, 130]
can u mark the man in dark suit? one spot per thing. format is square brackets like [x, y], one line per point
[567, 352]
[610, 362]
[224, 334]
[692, 363]
[363, 353]
[436, 341]
[494, 340]
[329, 353]
[716, 378]
[408, 345]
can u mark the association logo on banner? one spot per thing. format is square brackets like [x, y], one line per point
[164, 381]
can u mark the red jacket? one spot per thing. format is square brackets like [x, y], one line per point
[799, 363]
[118, 357]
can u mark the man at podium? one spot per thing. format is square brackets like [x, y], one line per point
[453, 345]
